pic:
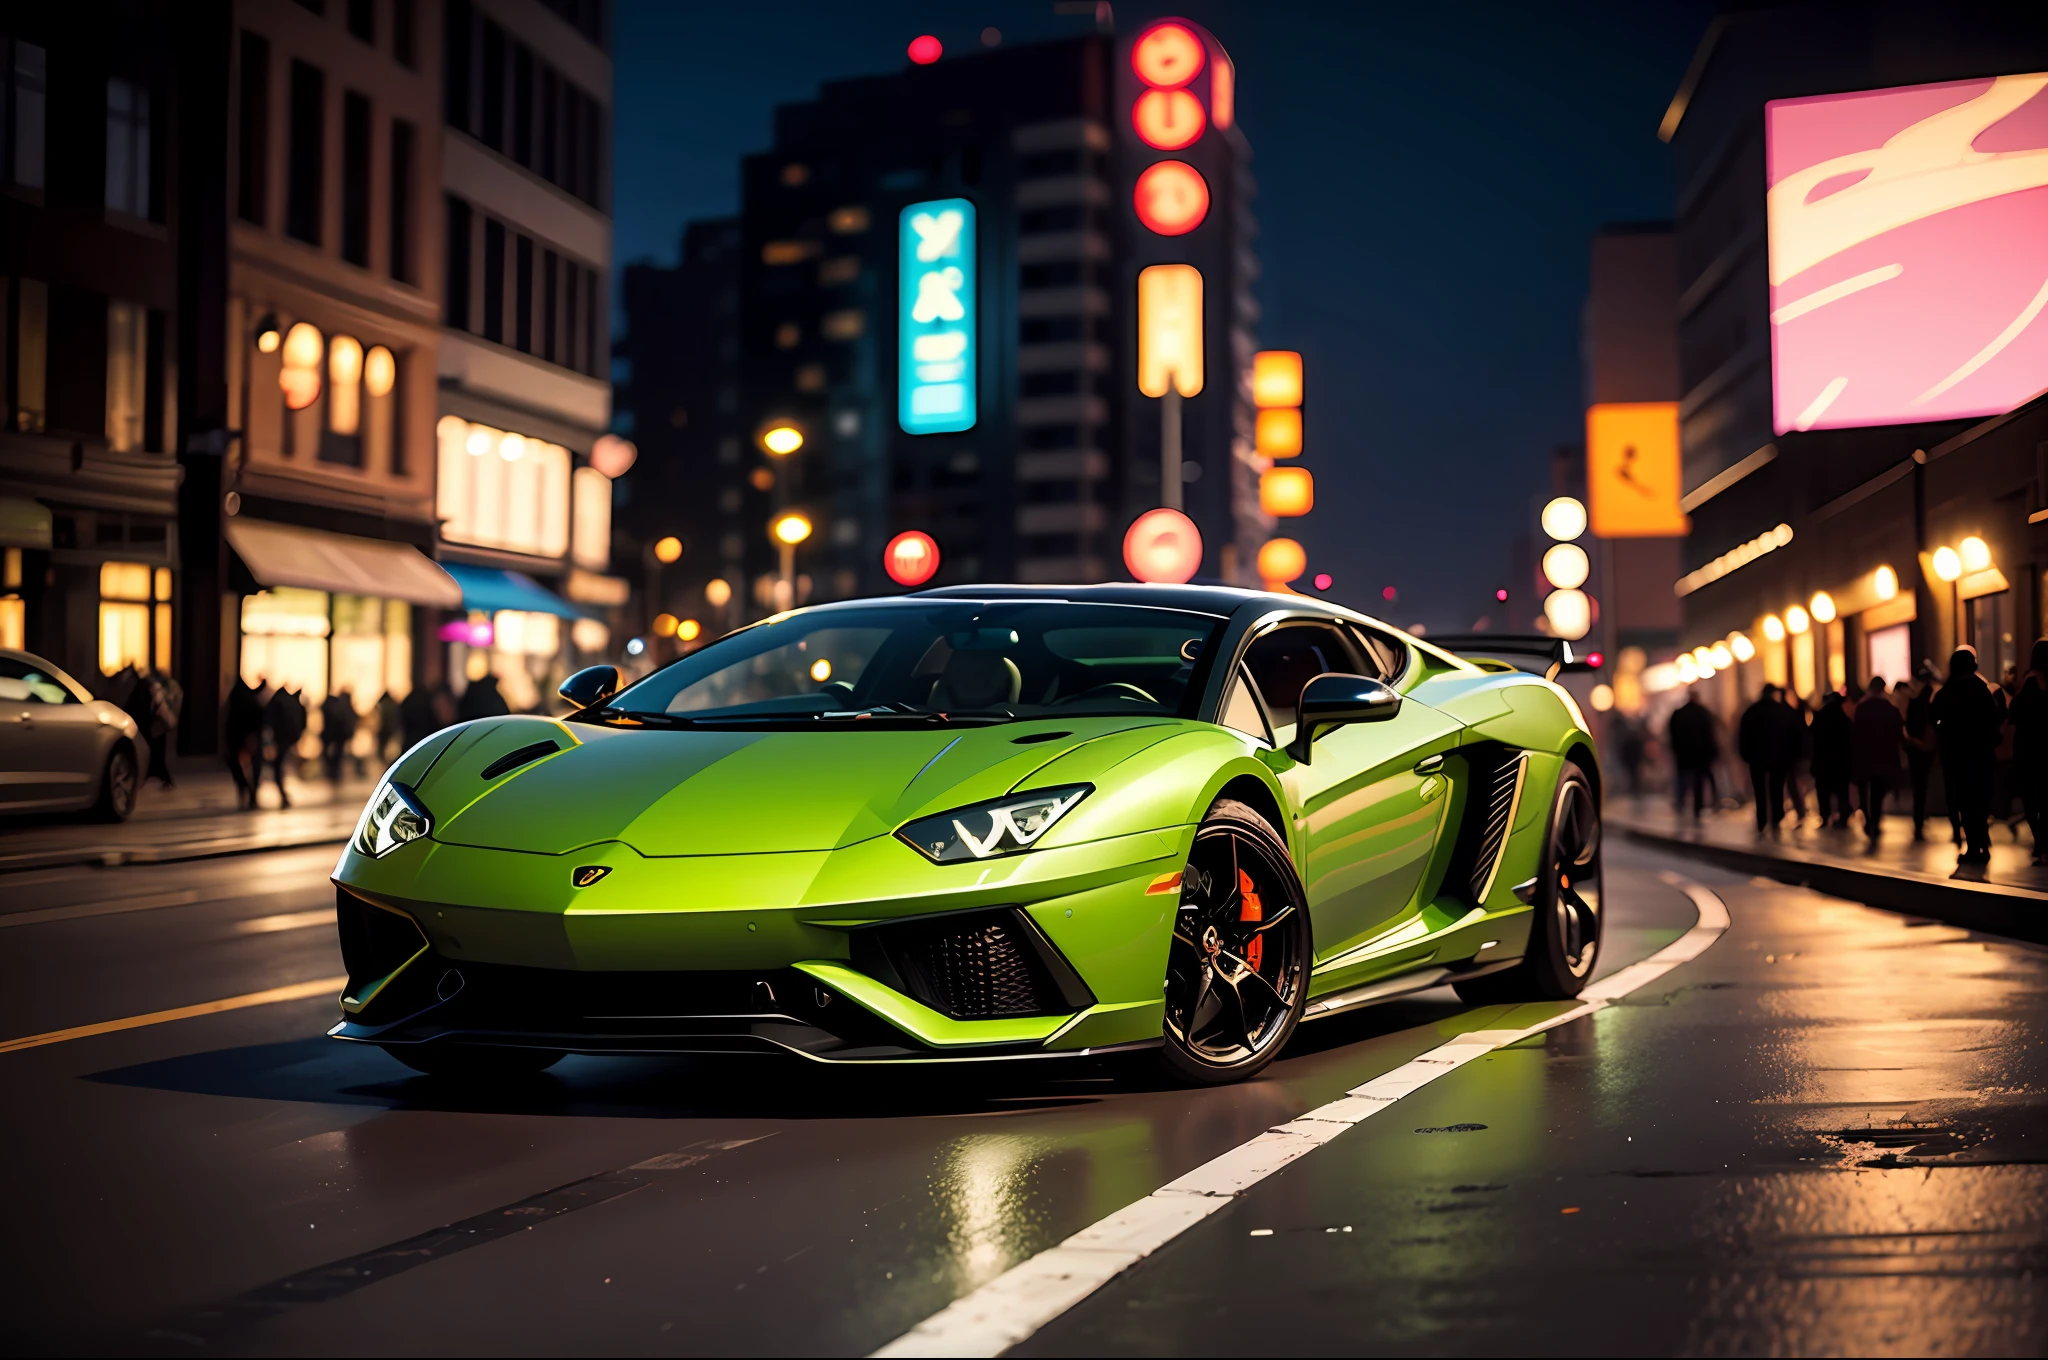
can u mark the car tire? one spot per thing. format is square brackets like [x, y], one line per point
[475, 1062]
[117, 786]
[1238, 964]
[1565, 923]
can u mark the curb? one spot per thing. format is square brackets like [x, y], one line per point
[114, 856]
[1996, 908]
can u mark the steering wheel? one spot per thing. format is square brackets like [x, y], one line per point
[1115, 689]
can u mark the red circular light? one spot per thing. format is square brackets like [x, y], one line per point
[1168, 57]
[925, 49]
[1389, 594]
[1594, 659]
[1323, 580]
[1501, 595]
[1172, 198]
[911, 559]
[1168, 119]
[1163, 546]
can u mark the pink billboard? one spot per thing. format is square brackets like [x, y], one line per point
[1908, 252]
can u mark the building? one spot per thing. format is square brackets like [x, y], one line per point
[677, 373]
[1032, 466]
[1863, 513]
[523, 391]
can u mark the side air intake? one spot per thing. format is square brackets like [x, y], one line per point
[1499, 794]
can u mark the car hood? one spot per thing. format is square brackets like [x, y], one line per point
[729, 792]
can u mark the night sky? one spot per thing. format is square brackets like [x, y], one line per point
[1429, 179]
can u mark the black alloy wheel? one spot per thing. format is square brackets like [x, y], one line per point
[117, 786]
[475, 1062]
[1237, 970]
[1565, 924]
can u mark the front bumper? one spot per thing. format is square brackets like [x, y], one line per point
[1058, 951]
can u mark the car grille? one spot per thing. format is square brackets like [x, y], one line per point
[978, 966]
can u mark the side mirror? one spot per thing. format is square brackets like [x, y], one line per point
[590, 686]
[1332, 700]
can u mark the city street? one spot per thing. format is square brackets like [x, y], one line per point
[1820, 1135]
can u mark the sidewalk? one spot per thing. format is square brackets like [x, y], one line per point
[195, 820]
[2009, 896]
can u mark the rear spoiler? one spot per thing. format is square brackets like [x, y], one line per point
[1548, 657]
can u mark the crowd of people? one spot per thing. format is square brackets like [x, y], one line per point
[266, 723]
[1988, 738]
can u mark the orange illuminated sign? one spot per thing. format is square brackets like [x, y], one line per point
[1281, 560]
[1278, 432]
[1168, 119]
[1172, 198]
[1170, 329]
[1168, 57]
[1276, 378]
[1632, 470]
[1285, 492]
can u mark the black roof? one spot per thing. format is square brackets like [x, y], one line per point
[1222, 600]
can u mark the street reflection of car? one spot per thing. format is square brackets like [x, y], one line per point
[61, 750]
[980, 823]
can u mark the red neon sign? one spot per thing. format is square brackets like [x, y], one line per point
[1172, 198]
[1168, 120]
[1168, 57]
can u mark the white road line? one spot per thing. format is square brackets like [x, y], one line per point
[1017, 1303]
[180, 897]
[291, 920]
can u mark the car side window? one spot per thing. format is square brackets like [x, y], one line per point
[1241, 711]
[1286, 659]
[26, 684]
[1386, 656]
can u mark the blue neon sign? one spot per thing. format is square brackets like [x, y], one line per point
[936, 359]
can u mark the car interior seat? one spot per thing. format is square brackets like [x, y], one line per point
[975, 679]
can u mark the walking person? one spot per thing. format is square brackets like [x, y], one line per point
[2028, 716]
[1919, 747]
[169, 702]
[1694, 749]
[390, 735]
[242, 739]
[1760, 741]
[1880, 734]
[482, 700]
[1967, 720]
[1833, 759]
[285, 718]
[1797, 738]
[337, 730]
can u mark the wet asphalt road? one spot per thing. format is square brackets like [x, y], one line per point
[1827, 1134]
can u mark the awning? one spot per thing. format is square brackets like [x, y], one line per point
[315, 559]
[24, 523]
[489, 590]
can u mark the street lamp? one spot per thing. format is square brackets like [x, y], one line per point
[1975, 554]
[782, 439]
[788, 530]
[1823, 606]
[667, 550]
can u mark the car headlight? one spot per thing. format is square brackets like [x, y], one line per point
[1004, 826]
[393, 816]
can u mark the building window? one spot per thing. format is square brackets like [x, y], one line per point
[127, 375]
[591, 532]
[500, 490]
[492, 124]
[404, 139]
[1049, 384]
[31, 353]
[13, 609]
[522, 295]
[550, 119]
[404, 39]
[456, 312]
[522, 104]
[550, 268]
[135, 617]
[1052, 436]
[571, 329]
[355, 178]
[308, 143]
[494, 280]
[252, 163]
[593, 312]
[848, 324]
[458, 64]
[362, 20]
[27, 90]
[128, 150]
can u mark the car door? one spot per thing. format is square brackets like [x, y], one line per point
[1369, 803]
[33, 743]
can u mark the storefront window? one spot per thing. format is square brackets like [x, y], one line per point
[135, 616]
[317, 644]
[1889, 652]
[592, 540]
[502, 490]
[13, 610]
[1990, 625]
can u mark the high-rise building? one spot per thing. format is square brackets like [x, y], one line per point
[938, 293]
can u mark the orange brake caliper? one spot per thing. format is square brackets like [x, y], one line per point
[1252, 910]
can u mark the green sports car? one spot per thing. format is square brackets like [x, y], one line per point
[981, 823]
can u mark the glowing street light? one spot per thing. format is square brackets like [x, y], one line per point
[1741, 647]
[667, 550]
[1564, 519]
[1947, 565]
[1885, 582]
[1569, 612]
[1823, 607]
[788, 530]
[1975, 553]
[717, 592]
[782, 439]
[689, 630]
[1281, 560]
[1797, 620]
[791, 529]
[1566, 566]
[1774, 628]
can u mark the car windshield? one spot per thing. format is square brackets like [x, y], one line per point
[936, 661]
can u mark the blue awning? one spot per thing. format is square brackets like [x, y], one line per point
[488, 589]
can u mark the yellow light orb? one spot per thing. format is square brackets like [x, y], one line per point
[1566, 566]
[1796, 620]
[821, 670]
[664, 625]
[380, 372]
[668, 549]
[1885, 582]
[1688, 669]
[302, 346]
[1976, 554]
[1702, 658]
[1603, 698]
[267, 340]
[1721, 656]
[1570, 613]
[1281, 560]
[791, 529]
[689, 630]
[1823, 607]
[1564, 519]
[1947, 565]
[1774, 628]
[717, 592]
[1741, 647]
[783, 439]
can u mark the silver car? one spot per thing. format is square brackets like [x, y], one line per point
[60, 748]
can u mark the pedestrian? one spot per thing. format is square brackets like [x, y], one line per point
[2028, 716]
[1761, 742]
[1919, 747]
[1833, 759]
[1967, 721]
[416, 716]
[337, 730]
[390, 729]
[169, 702]
[1694, 749]
[285, 718]
[482, 700]
[1880, 733]
[1797, 739]
[242, 736]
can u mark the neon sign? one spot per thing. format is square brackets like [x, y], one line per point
[936, 359]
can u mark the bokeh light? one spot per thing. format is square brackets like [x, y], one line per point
[668, 549]
[925, 49]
